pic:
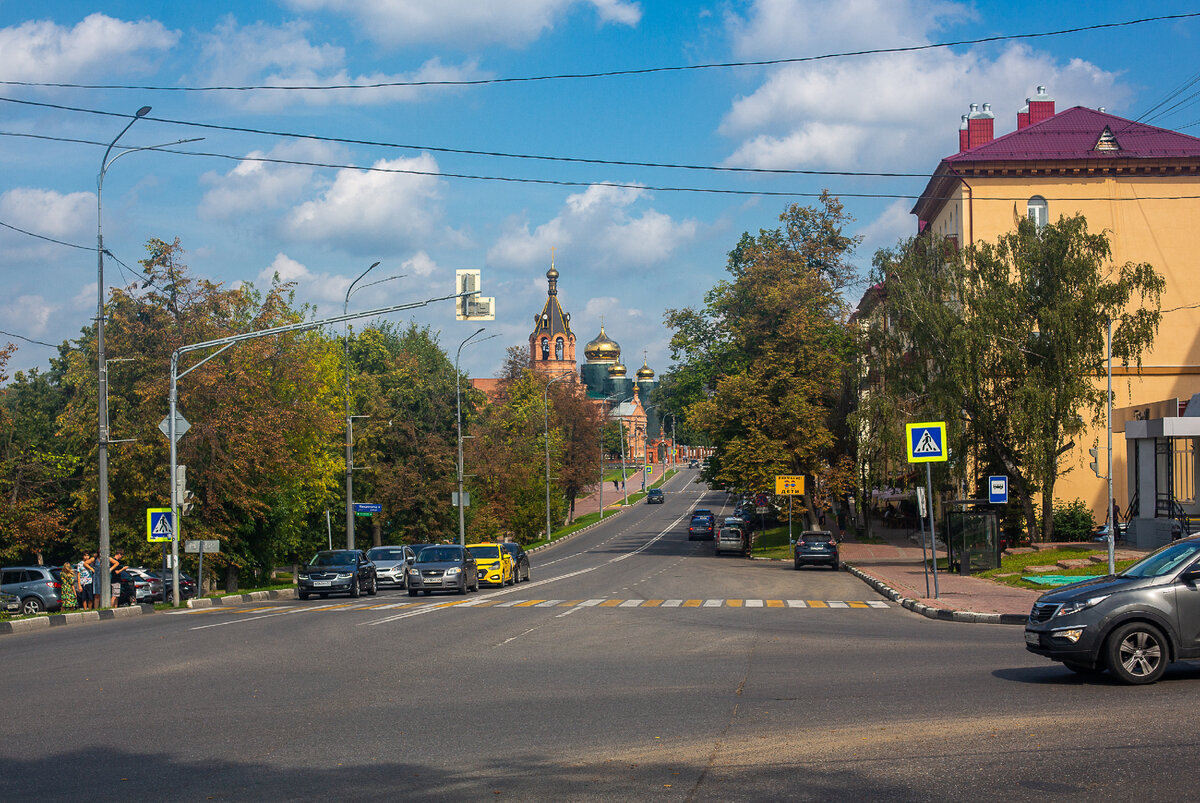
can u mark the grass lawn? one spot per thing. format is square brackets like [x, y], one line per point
[773, 542]
[1016, 565]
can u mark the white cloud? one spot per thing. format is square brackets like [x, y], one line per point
[260, 185]
[41, 50]
[283, 55]
[893, 224]
[319, 287]
[464, 22]
[889, 112]
[49, 213]
[596, 228]
[420, 264]
[29, 315]
[363, 209]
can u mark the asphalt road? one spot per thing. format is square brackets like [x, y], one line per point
[634, 665]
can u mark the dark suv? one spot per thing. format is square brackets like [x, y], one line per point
[1132, 624]
[36, 586]
[701, 528]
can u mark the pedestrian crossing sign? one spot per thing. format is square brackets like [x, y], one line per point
[926, 442]
[159, 525]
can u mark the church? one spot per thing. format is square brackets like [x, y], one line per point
[603, 378]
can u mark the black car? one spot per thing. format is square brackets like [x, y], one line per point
[337, 571]
[654, 496]
[700, 528]
[818, 547]
[520, 561]
[1133, 624]
[443, 567]
[186, 582]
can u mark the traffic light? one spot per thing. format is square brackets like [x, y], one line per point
[187, 503]
[1095, 464]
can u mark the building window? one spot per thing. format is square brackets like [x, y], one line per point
[1038, 211]
[545, 348]
[558, 348]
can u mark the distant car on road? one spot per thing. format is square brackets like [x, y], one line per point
[493, 564]
[654, 496]
[700, 528]
[443, 567]
[391, 563]
[36, 587]
[520, 560]
[693, 463]
[337, 571]
[818, 547]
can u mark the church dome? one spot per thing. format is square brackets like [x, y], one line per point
[603, 348]
[645, 372]
[617, 370]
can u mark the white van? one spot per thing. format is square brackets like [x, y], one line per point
[731, 539]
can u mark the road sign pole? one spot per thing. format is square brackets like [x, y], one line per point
[924, 553]
[932, 535]
[173, 412]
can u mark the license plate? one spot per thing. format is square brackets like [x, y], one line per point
[432, 581]
[1031, 638]
[322, 583]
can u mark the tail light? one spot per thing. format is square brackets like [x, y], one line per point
[55, 585]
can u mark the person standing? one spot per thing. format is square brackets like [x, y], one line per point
[84, 577]
[116, 566]
[68, 587]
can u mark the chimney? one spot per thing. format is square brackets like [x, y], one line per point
[980, 125]
[1041, 107]
[962, 135]
[1023, 116]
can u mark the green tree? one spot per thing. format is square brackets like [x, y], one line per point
[1006, 341]
[759, 367]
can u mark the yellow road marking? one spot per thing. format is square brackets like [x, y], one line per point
[858, 604]
[335, 607]
[570, 603]
[816, 603]
[774, 603]
[611, 603]
[734, 603]
[692, 603]
[528, 603]
[652, 603]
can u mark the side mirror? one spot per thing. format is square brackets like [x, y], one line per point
[1191, 575]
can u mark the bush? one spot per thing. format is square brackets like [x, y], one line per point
[1073, 522]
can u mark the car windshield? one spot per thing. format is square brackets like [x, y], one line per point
[338, 557]
[731, 535]
[655, 492]
[511, 549]
[1164, 561]
[439, 554]
[385, 553]
[485, 552]
[812, 537]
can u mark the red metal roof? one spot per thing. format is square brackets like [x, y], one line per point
[1074, 133]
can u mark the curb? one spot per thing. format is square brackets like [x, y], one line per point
[239, 599]
[931, 612]
[73, 618]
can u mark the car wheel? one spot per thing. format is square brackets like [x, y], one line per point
[836, 566]
[412, 592]
[32, 605]
[374, 588]
[302, 594]
[1137, 653]
[796, 565]
[462, 587]
[354, 590]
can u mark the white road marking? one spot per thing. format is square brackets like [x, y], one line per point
[672, 603]
[797, 603]
[754, 603]
[631, 603]
[876, 603]
[835, 604]
[713, 603]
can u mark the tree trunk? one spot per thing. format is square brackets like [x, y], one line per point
[376, 531]
[231, 579]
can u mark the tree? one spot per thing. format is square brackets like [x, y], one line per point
[1006, 341]
[759, 366]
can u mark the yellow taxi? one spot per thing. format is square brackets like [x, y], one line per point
[494, 564]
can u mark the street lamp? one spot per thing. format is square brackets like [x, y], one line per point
[621, 430]
[546, 405]
[349, 424]
[462, 520]
[102, 367]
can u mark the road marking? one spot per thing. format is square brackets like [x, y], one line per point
[653, 603]
[672, 603]
[774, 603]
[589, 603]
[857, 604]
[610, 603]
[713, 603]
[838, 605]
[816, 603]
[693, 603]
[754, 603]
[797, 603]
[631, 603]
[733, 603]
[877, 603]
[570, 603]
[550, 603]
[529, 603]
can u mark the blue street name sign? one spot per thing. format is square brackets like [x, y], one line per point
[367, 507]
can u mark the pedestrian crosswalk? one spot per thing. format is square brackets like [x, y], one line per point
[478, 603]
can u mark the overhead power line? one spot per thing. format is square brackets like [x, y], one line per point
[616, 73]
[28, 339]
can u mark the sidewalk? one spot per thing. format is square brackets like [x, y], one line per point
[898, 567]
[612, 496]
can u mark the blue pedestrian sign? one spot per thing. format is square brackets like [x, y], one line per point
[159, 524]
[926, 443]
[998, 490]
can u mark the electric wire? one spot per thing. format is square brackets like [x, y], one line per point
[28, 339]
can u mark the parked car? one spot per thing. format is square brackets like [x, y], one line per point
[1133, 624]
[700, 528]
[732, 539]
[654, 496]
[493, 564]
[139, 586]
[520, 560]
[443, 567]
[9, 603]
[36, 587]
[391, 563]
[693, 463]
[818, 547]
[186, 582]
[337, 571]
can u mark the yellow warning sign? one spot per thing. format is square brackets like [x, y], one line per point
[789, 484]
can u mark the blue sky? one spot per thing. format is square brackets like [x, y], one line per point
[623, 253]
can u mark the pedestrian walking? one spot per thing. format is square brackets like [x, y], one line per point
[841, 522]
[68, 587]
[84, 579]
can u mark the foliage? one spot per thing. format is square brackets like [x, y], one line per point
[1073, 521]
[1005, 342]
[758, 368]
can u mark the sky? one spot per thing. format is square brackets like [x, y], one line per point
[280, 185]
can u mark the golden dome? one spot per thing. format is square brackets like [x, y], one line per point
[645, 372]
[603, 348]
[617, 370]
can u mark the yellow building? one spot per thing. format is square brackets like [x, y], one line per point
[1138, 183]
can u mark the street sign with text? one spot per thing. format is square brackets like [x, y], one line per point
[789, 484]
[200, 546]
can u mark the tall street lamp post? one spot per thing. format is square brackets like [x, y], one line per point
[546, 405]
[462, 519]
[349, 423]
[102, 439]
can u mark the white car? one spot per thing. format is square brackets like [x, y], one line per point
[391, 564]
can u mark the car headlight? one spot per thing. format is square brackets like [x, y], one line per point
[454, 570]
[1071, 634]
[415, 572]
[345, 575]
[1080, 605]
